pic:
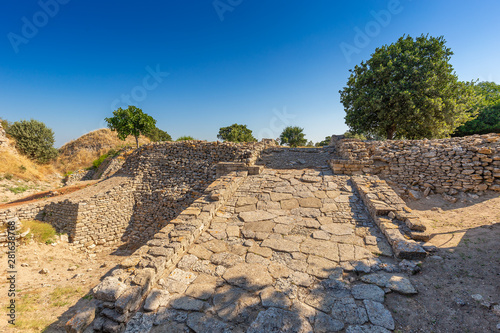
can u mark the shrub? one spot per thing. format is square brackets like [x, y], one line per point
[185, 138]
[34, 139]
[158, 135]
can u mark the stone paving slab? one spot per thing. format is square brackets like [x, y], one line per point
[288, 262]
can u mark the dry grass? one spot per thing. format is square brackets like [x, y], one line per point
[80, 153]
[22, 167]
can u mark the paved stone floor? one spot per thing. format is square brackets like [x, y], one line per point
[293, 251]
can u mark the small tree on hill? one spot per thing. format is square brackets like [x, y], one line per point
[158, 135]
[236, 133]
[33, 139]
[325, 142]
[293, 136]
[131, 121]
[408, 90]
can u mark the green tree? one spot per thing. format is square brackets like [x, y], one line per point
[293, 136]
[185, 138]
[131, 121]
[236, 133]
[325, 142]
[488, 119]
[157, 135]
[408, 90]
[33, 139]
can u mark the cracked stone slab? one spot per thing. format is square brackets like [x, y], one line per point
[256, 216]
[279, 320]
[248, 276]
[396, 282]
[379, 315]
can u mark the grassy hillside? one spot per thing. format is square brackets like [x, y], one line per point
[80, 153]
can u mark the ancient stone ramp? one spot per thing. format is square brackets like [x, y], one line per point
[283, 255]
[297, 158]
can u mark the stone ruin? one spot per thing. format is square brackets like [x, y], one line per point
[258, 238]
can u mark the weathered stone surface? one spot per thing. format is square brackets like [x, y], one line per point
[270, 297]
[279, 320]
[244, 201]
[200, 252]
[201, 291]
[181, 302]
[366, 329]
[346, 310]
[320, 267]
[396, 282]
[323, 323]
[278, 270]
[275, 196]
[155, 299]
[79, 322]
[281, 245]
[367, 291]
[379, 315]
[130, 300]
[201, 323]
[182, 276]
[289, 204]
[248, 276]
[261, 251]
[301, 279]
[109, 289]
[320, 248]
[140, 322]
[215, 245]
[257, 215]
[338, 229]
[226, 259]
[310, 202]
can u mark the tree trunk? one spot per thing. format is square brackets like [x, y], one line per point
[391, 131]
[137, 141]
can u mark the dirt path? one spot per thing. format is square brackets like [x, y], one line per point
[466, 263]
[42, 298]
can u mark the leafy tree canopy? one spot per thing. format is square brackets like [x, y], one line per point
[185, 138]
[408, 90]
[325, 142]
[33, 139]
[488, 120]
[293, 136]
[236, 133]
[157, 135]
[131, 121]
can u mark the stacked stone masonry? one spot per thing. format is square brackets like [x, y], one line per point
[283, 248]
[446, 165]
[155, 184]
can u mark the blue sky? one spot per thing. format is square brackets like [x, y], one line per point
[196, 66]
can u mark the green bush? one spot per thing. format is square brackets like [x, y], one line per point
[34, 139]
[158, 135]
[110, 153]
[185, 138]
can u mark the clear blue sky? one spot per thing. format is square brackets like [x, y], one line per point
[267, 64]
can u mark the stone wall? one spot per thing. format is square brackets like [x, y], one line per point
[128, 286]
[446, 165]
[156, 183]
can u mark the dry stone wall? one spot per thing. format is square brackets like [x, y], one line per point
[156, 183]
[446, 165]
